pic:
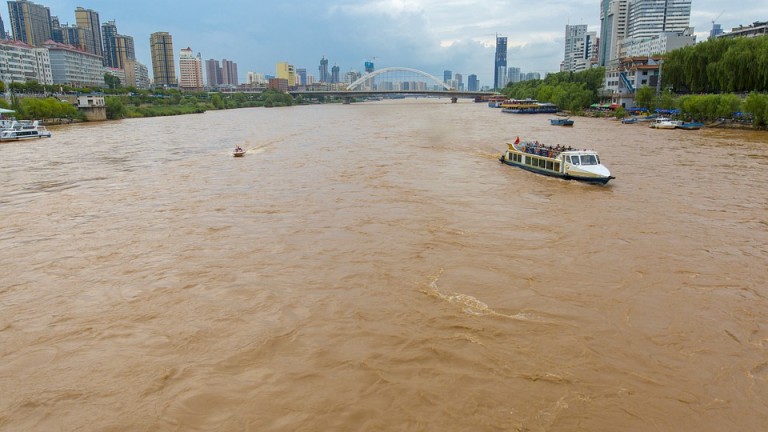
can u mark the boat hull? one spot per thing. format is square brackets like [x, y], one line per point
[594, 180]
[11, 137]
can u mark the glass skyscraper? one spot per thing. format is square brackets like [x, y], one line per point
[500, 65]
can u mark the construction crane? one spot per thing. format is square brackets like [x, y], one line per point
[712, 32]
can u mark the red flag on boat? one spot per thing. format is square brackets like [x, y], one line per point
[517, 140]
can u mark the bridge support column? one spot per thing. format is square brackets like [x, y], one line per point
[347, 100]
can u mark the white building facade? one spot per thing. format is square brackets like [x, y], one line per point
[20, 62]
[74, 67]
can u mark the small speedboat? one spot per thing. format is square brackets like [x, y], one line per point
[239, 152]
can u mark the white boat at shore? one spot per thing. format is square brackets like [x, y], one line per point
[665, 123]
[24, 129]
[562, 162]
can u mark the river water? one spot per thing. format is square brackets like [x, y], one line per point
[374, 267]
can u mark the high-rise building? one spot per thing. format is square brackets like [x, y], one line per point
[580, 48]
[500, 64]
[574, 36]
[2, 29]
[79, 37]
[613, 28]
[301, 76]
[229, 73]
[513, 75]
[287, 72]
[89, 19]
[649, 18]
[324, 77]
[163, 66]
[190, 70]
[335, 74]
[447, 76]
[459, 81]
[30, 22]
[108, 33]
[473, 84]
[213, 73]
[368, 67]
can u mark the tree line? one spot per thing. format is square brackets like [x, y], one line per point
[718, 65]
[572, 91]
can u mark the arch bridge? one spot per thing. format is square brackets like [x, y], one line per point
[393, 80]
[370, 81]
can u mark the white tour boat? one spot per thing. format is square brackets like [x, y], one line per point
[19, 130]
[562, 162]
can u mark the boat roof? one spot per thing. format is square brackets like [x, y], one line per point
[562, 152]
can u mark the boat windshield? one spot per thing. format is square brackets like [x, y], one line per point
[588, 160]
[574, 159]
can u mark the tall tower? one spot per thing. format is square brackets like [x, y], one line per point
[190, 70]
[574, 44]
[123, 50]
[324, 78]
[213, 73]
[108, 33]
[30, 22]
[472, 83]
[89, 19]
[229, 72]
[613, 28]
[335, 74]
[500, 65]
[163, 66]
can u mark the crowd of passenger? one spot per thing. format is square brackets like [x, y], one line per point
[539, 149]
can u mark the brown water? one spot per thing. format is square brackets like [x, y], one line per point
[373, 267]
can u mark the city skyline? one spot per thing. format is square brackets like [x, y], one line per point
[428, 35]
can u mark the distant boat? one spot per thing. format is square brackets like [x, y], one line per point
[690, 125]
[629, 120]
[528, 106]
[239, 152]
[561, 122]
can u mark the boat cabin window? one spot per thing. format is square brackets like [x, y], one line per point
[588, 160]
[574, 159]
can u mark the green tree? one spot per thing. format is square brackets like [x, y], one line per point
[115, 108]
[644, 97]
[757, 106]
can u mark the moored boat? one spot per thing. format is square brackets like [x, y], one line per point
[690, 125]
[528, 106]
[566, 163]
[561, 122]
[665, 123]
[496, 101]
[20, 130]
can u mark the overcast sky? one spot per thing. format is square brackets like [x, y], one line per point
[430, 35]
